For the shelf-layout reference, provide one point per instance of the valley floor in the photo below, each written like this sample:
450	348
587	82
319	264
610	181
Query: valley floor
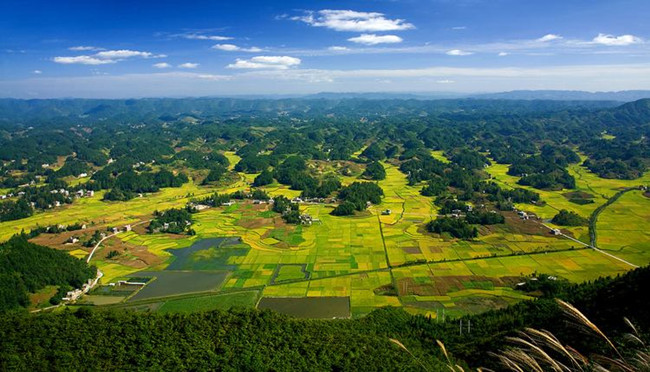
369	260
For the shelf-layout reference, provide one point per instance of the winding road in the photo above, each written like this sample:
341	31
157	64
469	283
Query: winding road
90	256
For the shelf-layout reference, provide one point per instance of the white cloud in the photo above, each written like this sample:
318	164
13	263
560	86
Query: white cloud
549	37
206	37
503	54
445	81
611	40
349	20
372	39
458	52
83	60
105	57
338	48
211	77
226	47
266	62
122	53
37	72
235	48
84	48
188	65
162	65
459	28
580	75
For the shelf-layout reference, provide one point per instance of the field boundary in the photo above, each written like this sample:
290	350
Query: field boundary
593	218
594	248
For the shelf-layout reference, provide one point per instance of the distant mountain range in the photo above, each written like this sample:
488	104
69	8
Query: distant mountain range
371	105
568	95
552	95
386	95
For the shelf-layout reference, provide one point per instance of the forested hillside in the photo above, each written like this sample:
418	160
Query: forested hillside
26	268
262	340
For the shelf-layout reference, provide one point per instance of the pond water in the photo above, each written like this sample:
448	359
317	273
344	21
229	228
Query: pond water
170	283
208	254
201	267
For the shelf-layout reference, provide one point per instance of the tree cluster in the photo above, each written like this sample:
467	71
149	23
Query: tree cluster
356	196
128	184
456	227
172	221
569	218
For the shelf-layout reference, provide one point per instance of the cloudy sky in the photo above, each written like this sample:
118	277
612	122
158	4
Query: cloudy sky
166	48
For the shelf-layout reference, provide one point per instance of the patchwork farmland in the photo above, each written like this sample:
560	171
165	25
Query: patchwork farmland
243	254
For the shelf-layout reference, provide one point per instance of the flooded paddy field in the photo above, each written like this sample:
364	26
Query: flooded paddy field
170	283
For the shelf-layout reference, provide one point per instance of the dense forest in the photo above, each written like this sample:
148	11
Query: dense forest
26	268
262	340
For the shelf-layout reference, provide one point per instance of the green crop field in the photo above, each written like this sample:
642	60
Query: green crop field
207	303
630	239
373	259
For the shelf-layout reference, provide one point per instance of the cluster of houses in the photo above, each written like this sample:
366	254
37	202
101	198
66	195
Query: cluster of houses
115	230
61	228
308	220
525	216
64	192
199	207
458	213
88	193
11	194
299	200
78	194
85	288
534	279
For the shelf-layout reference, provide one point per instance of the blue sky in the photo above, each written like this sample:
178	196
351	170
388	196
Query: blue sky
198	48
